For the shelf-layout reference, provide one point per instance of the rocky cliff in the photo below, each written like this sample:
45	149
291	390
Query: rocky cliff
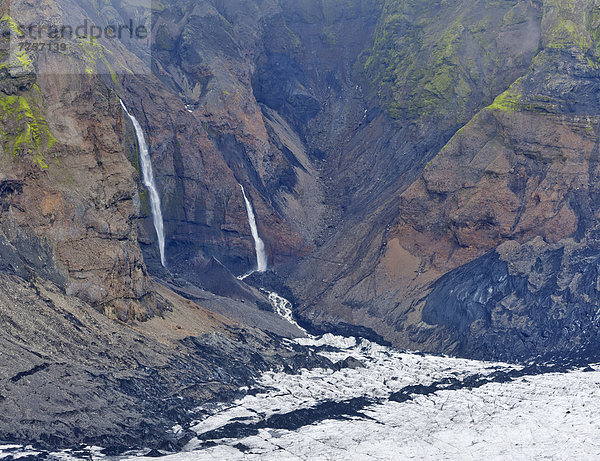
423	173
383	145
453	264
68	190
88	336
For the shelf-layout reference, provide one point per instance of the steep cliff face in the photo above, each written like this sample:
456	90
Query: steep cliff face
76	182
525	168
522	168
204	56
68	190
390	149
377	155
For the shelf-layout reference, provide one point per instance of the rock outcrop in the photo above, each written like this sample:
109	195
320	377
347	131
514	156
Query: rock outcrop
69	375
422	173
520	170
68	201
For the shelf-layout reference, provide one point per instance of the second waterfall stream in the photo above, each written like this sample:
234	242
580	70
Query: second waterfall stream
150	183
261	255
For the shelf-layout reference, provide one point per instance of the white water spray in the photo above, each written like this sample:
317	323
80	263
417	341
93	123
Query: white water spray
261	256
148	180
283	308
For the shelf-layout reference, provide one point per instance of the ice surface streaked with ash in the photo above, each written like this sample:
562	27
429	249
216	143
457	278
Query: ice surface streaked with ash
386	404
400	406
150	183
378	403
261	255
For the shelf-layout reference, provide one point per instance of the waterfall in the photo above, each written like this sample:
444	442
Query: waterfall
148	180
261	256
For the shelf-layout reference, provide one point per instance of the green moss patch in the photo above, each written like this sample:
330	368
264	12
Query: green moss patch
24	131
440	59
507	101
12	25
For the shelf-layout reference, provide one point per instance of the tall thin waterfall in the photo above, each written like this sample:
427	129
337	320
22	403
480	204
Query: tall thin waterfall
261	256
148	180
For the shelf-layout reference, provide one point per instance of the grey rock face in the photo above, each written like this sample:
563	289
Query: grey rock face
521	301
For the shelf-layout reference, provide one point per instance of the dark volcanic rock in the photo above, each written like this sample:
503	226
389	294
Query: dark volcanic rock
69	375
522	165
350	362
521	301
